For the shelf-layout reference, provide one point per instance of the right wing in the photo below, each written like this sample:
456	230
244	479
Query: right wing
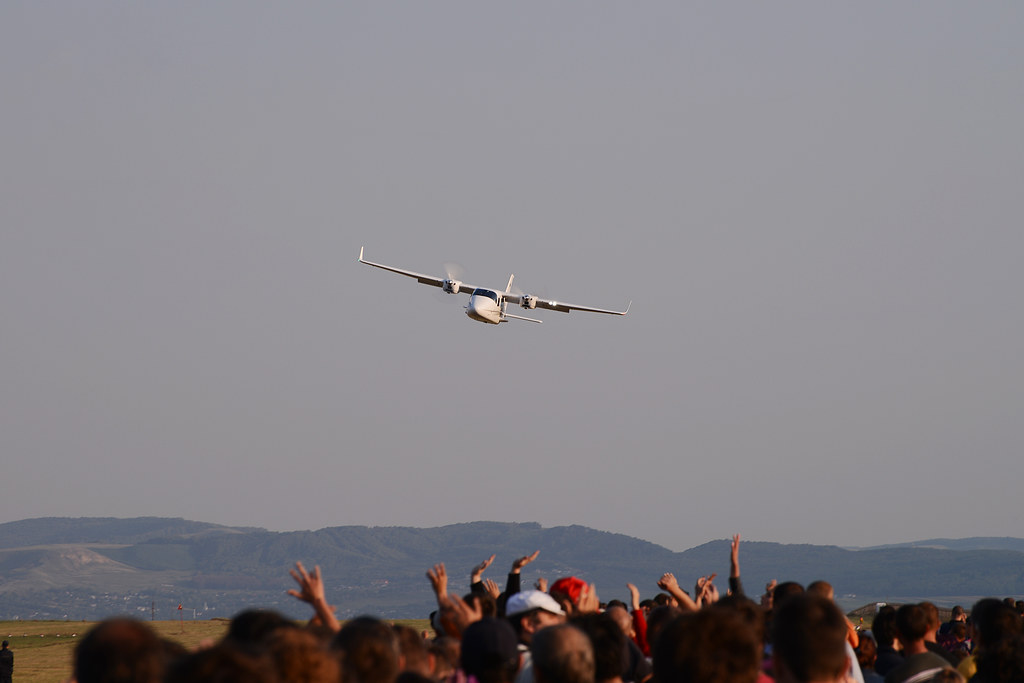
530	302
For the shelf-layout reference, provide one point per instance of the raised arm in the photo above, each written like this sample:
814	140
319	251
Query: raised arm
639	621
769	590
478	570
311	590
457	614
514	583
475	581
518	565
634	597
668	583
705	591
438	576
587	603
735	585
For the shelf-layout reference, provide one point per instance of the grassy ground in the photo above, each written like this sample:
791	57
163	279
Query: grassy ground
43	649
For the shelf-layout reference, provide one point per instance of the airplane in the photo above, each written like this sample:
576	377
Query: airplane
490	305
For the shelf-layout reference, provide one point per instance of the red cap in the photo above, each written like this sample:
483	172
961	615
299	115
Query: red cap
569	586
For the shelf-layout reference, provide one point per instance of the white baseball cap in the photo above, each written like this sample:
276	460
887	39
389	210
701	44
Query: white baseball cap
531	600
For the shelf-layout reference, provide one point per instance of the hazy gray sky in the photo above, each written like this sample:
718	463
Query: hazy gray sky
815	208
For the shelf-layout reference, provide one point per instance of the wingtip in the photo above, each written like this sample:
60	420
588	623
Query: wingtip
360	254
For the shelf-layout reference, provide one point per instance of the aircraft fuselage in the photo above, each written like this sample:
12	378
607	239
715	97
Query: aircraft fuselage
484	306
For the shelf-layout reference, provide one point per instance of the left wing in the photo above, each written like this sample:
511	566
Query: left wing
447	284
529	301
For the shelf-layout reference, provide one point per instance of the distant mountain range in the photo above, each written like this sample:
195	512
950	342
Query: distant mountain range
89	568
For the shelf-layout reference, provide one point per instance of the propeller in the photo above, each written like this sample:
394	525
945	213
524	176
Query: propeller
453	271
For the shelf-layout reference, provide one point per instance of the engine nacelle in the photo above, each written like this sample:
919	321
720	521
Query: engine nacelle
451	286
528	301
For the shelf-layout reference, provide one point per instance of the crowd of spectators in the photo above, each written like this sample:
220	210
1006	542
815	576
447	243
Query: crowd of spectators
562	633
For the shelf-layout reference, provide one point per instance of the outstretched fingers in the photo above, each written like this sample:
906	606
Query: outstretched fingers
525	560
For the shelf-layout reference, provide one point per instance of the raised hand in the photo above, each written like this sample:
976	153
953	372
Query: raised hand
769	589
541	584
457	614
311	590
698	589
588	601
523	561
478	570
734	556
668	582
438	576
634	597
311	585
492	588
707	593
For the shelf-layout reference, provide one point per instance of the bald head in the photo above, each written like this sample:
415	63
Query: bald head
562	654
622	618
822	589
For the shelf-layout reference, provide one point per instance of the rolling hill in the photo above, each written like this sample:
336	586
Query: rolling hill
62	568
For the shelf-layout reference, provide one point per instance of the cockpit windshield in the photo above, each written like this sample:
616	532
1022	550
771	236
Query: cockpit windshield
485	292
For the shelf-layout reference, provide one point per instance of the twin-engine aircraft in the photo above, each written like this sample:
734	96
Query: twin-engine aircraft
489	305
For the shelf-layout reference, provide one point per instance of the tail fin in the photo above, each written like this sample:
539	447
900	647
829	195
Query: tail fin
508	289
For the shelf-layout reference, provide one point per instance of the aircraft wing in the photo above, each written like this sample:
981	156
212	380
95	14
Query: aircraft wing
420	277
528	301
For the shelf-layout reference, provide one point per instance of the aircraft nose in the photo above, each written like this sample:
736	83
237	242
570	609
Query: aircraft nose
478	309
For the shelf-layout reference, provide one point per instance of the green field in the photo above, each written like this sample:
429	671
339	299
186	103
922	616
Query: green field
43	649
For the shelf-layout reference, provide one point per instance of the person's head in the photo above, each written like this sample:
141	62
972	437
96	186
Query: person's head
947	676
223	662
622	617
562	654
663	599
958	630
867	653
250	627
1001	661
713	645
911	625
530	611
489	651
657	620
883	628
934	620
413	649
444	652
299	656
786	589
958	614
568	589
993	620
822	589
4	645
611	653
120	650
750	611
369	649
809	640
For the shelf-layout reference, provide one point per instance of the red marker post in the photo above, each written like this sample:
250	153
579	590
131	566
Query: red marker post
181	617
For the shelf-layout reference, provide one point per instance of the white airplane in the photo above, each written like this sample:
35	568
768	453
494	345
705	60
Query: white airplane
489	305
